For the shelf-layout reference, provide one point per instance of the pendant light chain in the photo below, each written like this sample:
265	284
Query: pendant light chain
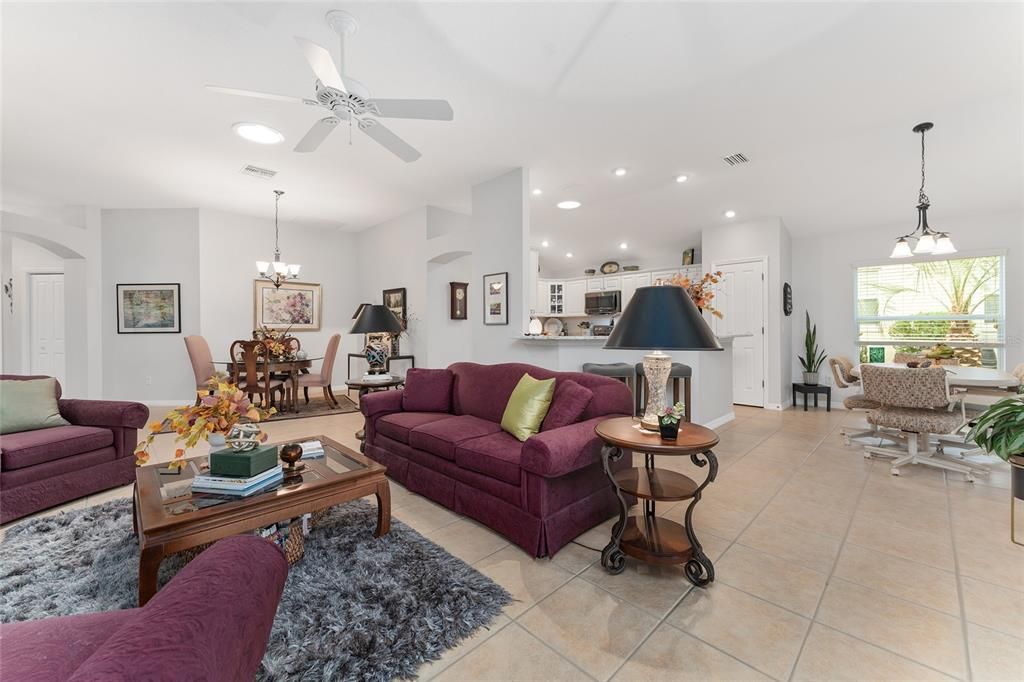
922	198
277	233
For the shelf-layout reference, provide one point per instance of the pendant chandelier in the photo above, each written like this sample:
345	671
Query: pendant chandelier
929	241
277	271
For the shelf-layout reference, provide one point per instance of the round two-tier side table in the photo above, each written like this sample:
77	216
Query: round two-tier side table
649	537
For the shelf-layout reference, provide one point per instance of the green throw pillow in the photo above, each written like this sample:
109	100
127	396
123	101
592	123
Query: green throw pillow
29	405
527	406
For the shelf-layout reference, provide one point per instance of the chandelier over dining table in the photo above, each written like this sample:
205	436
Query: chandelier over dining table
277	271
928	241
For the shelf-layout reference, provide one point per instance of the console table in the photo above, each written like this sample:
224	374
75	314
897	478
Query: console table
649	537
387	366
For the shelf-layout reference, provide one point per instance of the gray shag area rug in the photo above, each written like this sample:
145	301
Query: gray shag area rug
354	608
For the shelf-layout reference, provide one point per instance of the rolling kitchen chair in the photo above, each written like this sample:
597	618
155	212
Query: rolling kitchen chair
844	378
916	402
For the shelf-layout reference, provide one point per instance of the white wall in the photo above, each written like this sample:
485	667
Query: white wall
823	276
142	246
753	239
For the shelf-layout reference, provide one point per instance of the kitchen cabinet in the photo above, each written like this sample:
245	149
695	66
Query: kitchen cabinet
595	284
613	283
556	297
575	296
630	283
542	306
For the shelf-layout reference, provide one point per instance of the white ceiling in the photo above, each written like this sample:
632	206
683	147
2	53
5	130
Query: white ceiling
104	104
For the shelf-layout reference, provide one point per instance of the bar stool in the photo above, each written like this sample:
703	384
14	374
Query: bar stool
678	371
616	370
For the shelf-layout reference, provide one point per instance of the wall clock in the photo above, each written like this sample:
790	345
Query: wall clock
610	268
457	304
787	299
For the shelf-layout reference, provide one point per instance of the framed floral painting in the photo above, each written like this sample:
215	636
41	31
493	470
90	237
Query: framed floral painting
294	305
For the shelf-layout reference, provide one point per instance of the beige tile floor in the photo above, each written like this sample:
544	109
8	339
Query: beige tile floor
828	568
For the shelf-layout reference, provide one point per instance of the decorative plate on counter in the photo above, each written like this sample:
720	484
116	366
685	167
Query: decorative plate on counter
553	326
610	268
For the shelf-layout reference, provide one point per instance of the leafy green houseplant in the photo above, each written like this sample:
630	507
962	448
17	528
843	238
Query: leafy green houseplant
813	356
1000	429
668	421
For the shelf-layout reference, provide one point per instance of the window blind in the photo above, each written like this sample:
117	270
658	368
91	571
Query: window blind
958	301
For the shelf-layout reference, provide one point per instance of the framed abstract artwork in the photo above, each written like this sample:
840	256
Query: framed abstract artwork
149	308
496	298
294	305
394	299
458	295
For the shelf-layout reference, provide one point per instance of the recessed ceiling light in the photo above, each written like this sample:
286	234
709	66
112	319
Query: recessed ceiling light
623	245
730	214
537	192
569	255
545	243
258	133
619	172
569	205
681	179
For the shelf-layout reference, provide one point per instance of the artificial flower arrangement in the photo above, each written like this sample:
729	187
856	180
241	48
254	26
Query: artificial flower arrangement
275	341
702	291
215	413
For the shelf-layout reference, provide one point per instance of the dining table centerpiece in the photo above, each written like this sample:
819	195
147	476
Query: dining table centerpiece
211	419
276	342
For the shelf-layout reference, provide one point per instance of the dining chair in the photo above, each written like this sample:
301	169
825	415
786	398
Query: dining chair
202	364
252	356
918	403
904	358
323	378
842	374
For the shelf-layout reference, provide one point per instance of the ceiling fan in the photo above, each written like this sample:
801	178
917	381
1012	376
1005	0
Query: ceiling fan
349	100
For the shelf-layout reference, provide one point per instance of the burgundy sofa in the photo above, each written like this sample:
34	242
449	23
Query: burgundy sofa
210	622
539	494
43	468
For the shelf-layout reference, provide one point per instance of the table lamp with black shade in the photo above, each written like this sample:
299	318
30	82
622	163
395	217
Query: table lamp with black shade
660	318
376	319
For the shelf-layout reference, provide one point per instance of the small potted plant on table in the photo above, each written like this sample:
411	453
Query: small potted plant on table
668	423
813	356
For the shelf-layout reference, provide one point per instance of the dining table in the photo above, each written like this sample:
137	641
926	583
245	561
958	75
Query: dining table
958	375
291	368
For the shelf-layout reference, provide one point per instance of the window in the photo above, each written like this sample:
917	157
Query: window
910	307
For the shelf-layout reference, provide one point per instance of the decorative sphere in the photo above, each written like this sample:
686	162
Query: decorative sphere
290	454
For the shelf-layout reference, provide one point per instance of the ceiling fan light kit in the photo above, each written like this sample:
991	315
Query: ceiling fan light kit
346	99
928	241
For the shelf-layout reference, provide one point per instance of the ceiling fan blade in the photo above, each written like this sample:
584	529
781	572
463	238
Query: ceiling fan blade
322	64
387	139
254	93
317	134
426	109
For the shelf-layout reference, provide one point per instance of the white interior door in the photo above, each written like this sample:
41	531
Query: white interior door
46	325
740	297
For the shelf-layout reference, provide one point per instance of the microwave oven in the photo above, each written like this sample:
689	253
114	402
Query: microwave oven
603	303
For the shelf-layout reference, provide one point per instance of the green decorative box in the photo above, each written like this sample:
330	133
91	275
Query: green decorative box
243	464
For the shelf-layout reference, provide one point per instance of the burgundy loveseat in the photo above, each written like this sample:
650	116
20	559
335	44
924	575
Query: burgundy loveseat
210	622
539	494
47	467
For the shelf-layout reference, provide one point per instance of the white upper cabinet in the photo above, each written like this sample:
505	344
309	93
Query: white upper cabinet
630	282
595	284
575	296
543	294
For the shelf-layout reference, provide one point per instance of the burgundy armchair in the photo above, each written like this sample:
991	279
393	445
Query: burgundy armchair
95	452
211	622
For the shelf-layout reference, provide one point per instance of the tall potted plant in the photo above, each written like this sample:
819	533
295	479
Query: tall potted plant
813	356
1000	431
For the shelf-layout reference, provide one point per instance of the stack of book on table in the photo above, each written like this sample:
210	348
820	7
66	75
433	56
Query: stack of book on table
312	449
239	486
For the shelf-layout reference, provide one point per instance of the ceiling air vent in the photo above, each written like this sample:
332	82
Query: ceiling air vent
736	159
257	172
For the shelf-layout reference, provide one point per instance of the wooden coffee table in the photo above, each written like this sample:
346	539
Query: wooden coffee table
165	527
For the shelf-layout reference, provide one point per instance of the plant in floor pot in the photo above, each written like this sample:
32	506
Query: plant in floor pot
1000	431
668	422
813	356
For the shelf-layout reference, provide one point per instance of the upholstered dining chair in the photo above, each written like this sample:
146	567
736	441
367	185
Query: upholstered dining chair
918	403
202	364
323	378
904	358
842	374
252	371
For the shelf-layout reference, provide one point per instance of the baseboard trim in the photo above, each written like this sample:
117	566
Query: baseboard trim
719	421
168	403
